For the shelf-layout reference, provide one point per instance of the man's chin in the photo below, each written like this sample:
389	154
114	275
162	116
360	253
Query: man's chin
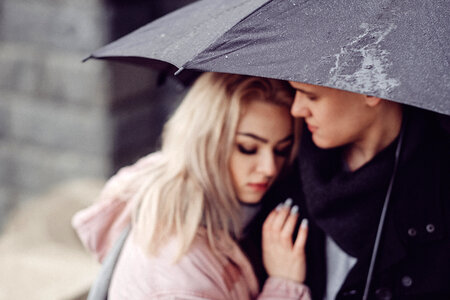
322	144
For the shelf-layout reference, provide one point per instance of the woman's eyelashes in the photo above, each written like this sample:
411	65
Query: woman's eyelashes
283	152
245	150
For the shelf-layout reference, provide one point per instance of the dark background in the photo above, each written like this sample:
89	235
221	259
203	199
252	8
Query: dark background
60	118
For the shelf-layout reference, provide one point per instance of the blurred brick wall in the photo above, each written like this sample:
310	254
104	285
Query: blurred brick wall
60	118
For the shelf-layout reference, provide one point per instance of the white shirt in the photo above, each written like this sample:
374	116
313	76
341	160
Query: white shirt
339	264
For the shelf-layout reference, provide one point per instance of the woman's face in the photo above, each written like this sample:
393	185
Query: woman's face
263	143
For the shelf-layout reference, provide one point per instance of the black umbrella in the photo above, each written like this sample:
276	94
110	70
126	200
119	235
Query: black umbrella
397	50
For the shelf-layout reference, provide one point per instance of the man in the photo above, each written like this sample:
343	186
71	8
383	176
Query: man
364	124
346	164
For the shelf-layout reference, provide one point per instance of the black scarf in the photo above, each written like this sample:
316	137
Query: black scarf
347	205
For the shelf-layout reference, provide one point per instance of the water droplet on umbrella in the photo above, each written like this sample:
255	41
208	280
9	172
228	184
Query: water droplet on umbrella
368	67
226	56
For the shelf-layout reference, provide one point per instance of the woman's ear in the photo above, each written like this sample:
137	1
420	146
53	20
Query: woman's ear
372	101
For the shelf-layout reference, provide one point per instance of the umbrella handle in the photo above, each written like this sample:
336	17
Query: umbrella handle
384	211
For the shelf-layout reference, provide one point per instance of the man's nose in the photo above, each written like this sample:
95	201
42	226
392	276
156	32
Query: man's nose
299	108
267	165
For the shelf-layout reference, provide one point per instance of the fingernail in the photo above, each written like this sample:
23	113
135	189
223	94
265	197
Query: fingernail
304	223
288	202
279	207
294	210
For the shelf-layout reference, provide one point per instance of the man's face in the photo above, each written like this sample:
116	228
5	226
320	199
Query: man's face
334	117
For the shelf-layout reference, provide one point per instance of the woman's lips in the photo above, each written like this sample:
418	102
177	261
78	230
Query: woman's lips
259	186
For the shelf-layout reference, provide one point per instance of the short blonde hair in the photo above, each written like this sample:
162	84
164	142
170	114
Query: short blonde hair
191	186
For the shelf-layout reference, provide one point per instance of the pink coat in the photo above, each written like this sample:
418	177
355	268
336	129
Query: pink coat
199	274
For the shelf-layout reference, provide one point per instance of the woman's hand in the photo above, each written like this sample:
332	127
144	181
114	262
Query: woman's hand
282	257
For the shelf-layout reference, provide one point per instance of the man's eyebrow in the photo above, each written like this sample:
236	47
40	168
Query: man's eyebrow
304	92
288	138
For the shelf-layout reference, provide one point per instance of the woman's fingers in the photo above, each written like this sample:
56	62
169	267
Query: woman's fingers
288	228
280	224
300	242
268	223
281	256
281	213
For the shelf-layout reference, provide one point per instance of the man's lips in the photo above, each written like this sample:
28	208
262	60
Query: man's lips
311	127
260	186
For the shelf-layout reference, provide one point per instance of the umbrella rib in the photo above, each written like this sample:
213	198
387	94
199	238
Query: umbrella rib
186	64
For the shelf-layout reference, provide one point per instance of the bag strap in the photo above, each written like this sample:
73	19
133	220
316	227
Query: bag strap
99	289
384	211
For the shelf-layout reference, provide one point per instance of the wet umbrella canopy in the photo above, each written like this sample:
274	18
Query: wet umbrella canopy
397	50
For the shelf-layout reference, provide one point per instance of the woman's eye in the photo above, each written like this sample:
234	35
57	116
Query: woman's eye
248	151
282	152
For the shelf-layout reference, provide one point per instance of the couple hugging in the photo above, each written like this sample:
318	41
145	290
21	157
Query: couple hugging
366	183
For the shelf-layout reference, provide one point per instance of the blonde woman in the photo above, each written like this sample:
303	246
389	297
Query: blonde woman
222	149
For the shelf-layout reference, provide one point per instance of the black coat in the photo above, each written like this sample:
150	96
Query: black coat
414	255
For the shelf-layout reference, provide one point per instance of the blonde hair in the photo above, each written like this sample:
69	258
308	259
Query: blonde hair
191	185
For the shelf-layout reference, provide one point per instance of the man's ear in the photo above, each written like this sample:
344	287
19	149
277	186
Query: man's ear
372	101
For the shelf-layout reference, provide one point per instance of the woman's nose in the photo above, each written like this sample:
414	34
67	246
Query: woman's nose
267	165
299	108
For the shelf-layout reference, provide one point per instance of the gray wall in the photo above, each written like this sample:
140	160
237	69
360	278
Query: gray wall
62	119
